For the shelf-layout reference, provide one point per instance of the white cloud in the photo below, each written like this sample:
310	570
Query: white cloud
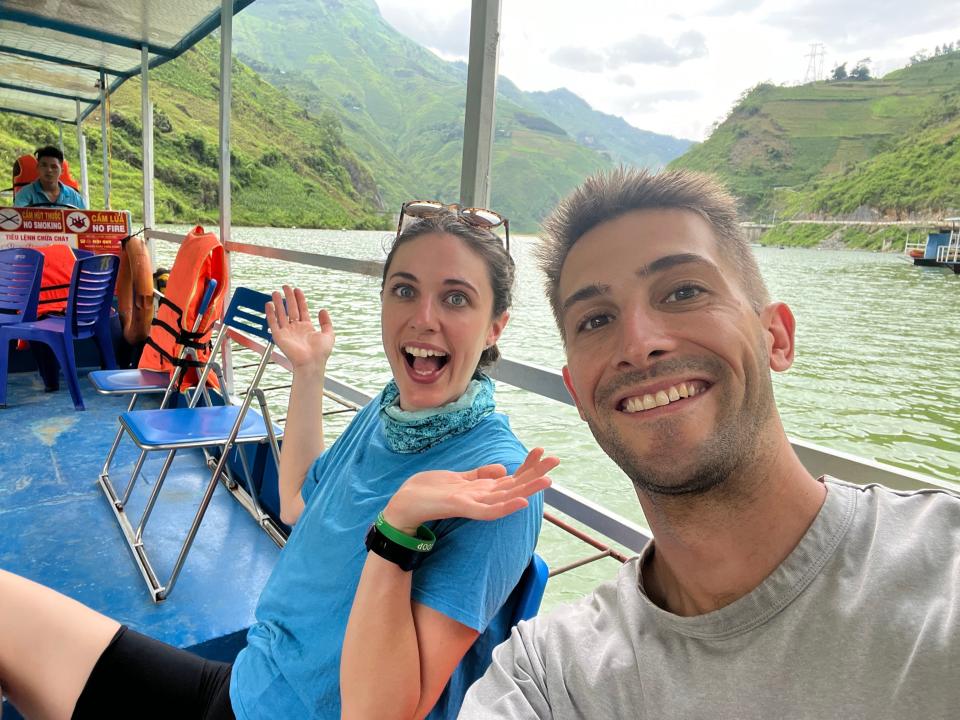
859	23
660	97
580	59
446	33
732	7
650	50
648	61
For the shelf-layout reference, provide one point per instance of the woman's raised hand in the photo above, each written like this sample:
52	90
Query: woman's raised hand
294	333
486	493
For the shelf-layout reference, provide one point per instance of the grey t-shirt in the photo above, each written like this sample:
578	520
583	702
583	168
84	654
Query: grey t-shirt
862	620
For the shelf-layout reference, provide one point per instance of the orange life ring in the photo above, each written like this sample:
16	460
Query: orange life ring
135	291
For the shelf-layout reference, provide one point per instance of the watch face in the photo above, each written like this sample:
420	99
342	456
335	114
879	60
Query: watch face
383	546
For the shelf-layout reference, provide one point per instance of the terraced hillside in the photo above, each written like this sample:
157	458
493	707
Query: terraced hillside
776	140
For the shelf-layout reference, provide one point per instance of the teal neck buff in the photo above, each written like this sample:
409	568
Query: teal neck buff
410	431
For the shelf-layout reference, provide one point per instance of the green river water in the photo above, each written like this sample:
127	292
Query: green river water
877	371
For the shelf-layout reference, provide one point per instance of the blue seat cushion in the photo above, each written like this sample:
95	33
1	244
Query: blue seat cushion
192	427
108	382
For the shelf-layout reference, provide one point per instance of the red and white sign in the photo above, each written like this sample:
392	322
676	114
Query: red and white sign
97	230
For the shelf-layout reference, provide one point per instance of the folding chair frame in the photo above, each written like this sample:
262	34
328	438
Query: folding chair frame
247	496
170	390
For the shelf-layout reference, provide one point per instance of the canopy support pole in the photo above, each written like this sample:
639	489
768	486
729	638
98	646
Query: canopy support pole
226	93
146	122
104	120
60	130
82	152
478	122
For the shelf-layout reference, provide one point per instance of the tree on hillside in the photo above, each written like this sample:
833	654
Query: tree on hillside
839	72
861	71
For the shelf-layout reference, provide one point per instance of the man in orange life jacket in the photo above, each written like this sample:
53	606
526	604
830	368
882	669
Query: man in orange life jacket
47	188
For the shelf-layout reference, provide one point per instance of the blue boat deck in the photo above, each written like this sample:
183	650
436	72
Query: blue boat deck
57	528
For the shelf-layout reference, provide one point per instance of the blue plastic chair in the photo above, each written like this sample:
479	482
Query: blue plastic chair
532	585
87	316
20	273
220	428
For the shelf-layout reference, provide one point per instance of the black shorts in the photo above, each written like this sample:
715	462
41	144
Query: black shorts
138	676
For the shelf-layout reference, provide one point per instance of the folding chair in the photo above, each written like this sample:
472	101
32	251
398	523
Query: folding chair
136	382
87	316
219	427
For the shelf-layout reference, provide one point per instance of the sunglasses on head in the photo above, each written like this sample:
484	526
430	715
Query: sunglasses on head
478	217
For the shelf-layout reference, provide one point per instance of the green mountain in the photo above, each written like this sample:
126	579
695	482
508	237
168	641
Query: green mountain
402	107
884	146
609	135
289	166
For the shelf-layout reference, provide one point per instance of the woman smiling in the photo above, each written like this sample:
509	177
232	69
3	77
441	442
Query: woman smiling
429	448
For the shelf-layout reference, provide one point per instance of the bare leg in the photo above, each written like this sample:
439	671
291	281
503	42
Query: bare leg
48	646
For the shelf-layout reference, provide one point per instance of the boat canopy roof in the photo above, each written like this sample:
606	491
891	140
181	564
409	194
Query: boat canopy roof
52	52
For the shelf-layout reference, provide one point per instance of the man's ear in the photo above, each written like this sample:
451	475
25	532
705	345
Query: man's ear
573	393
779	326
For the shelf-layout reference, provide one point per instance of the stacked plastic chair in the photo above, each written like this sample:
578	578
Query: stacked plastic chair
87	316
20	273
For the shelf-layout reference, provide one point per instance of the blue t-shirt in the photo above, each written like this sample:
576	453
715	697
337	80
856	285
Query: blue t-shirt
33	194
291	665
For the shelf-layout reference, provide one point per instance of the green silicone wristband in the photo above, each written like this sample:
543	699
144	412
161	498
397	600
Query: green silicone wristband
423	542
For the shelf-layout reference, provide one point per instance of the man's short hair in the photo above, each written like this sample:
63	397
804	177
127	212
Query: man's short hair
607	196
49	151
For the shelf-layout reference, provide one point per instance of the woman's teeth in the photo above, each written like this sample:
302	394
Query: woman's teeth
424	352
663	397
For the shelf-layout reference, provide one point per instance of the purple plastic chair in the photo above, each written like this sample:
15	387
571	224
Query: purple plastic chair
87	316
20	273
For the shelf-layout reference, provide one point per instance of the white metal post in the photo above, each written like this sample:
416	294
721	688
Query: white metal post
478	124
146	123
104	120
226	91
60	131
82	153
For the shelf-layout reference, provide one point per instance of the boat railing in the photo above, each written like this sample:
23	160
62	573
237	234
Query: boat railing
549	384
911	247
950	253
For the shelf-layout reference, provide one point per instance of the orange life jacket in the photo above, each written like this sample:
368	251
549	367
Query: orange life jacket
58	262
67	179
200	257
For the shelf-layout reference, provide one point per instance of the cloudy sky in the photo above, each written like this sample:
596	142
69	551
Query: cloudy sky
676	66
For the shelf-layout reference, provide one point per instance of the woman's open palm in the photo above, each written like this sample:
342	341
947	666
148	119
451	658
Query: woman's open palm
485	493
294	332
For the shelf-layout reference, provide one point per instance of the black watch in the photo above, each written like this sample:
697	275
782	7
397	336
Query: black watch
389	550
